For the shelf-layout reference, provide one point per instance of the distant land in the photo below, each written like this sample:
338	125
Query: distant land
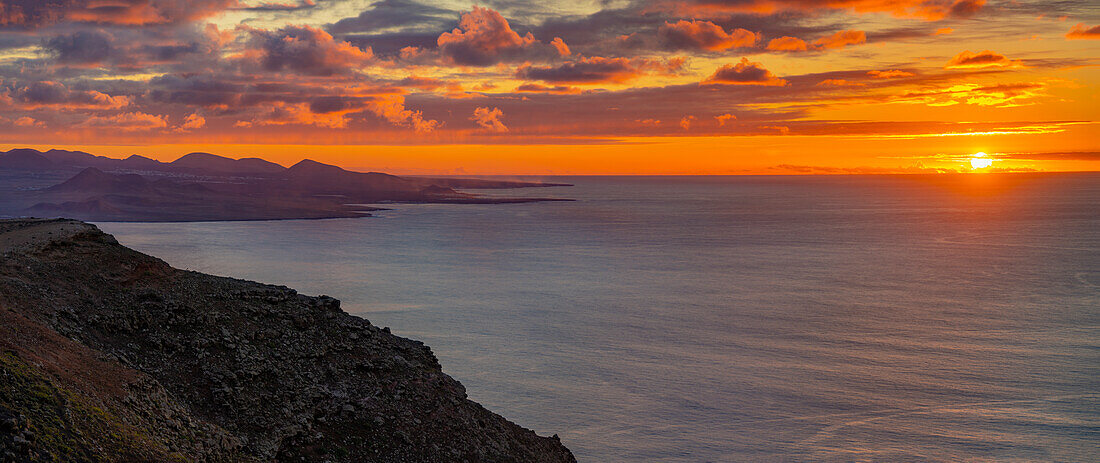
208	187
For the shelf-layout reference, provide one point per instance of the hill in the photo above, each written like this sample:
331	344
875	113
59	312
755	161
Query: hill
110	355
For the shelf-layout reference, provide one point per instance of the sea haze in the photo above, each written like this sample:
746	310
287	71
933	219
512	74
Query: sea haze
690	319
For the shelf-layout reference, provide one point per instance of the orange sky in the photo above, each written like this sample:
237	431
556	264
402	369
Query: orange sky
677	87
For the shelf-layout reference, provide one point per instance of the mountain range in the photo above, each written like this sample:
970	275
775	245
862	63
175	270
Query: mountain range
207	187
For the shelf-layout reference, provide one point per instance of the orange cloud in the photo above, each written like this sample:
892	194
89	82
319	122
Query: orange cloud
27	121
985	59
282	113
943	31
489	119
744	73
841	39
1081	31
704	35
559	44
723	118
391	107
193	121
128	122
889	74
930	10
839	83
838	40
538	88
1000	96
788	44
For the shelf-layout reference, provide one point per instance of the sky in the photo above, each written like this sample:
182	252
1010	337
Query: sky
562	87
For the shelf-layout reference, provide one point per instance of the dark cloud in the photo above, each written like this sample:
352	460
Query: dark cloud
392	44
275	6
586	70
744	73
196	90
84	47
58	95
307	50
704	35
539	88
395	14
34	13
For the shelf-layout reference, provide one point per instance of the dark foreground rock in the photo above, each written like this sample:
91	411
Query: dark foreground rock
107	354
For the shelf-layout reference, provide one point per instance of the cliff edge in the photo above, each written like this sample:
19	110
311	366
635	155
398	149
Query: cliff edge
107	354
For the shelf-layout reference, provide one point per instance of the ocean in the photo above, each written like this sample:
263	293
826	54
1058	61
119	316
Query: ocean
716	319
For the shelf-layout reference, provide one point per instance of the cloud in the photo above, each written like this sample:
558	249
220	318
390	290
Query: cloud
1081	31
273	6
985	59
57	95
483	38
1000	95
840	39
930	10
560	45
818	170
943	31
27	121
423	83
894	73
685	122
788	44
489	119
538	88
82	47
744	73
34	13
129	122
1055	155
724	118
839	83
392	108
596	69
193	121
307	50
284	113
198	90
391	14
703	35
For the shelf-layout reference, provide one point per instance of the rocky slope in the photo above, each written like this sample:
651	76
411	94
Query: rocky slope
107	354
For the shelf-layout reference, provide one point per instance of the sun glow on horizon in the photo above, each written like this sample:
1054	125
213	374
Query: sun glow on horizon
980	160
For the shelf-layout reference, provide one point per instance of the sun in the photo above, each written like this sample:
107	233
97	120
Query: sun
980	161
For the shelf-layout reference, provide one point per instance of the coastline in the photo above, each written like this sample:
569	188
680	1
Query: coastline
253	372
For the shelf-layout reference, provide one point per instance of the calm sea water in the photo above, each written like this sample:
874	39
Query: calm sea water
731	318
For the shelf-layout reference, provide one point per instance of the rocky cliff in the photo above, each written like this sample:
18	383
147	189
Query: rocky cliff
107	354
